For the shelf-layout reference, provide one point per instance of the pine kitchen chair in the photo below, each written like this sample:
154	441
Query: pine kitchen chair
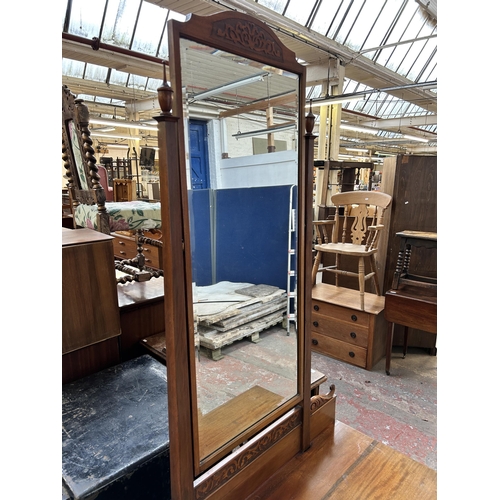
88	197
354	231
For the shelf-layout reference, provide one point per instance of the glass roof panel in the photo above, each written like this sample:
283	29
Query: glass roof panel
163	50
276	5
403	29
137	82
351	18
85	17
153	84
383	16
74	68
365	24
118	77
336	23
150	26
299	11
140	25
119	22
96	73
324	15
417	56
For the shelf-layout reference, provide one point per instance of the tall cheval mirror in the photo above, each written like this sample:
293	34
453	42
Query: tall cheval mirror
236	175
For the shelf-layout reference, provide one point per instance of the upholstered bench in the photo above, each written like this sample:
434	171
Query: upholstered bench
115	437
123	216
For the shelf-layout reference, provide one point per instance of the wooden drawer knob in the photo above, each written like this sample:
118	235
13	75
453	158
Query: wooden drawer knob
315	324
353	335
315	342
354	317
316	308
351	354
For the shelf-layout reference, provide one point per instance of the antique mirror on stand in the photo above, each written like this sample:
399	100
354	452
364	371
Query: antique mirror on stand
236	180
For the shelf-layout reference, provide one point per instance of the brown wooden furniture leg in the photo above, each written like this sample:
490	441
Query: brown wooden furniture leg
317	262
373	265
405	342
388	348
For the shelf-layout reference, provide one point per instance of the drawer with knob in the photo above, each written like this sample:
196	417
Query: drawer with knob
126	248
347	332
359	318
338	349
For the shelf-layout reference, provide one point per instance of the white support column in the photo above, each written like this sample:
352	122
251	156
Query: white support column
336	112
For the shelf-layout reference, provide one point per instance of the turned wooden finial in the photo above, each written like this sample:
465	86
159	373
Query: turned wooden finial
310	119
165	93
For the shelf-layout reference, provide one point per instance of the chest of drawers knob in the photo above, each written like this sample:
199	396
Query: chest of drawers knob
316	308
315	324
353	335
315	342
351	354
354	317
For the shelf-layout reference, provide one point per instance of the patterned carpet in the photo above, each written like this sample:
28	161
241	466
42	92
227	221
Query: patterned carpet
399	410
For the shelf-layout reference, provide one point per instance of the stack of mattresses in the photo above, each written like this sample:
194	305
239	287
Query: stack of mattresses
228	311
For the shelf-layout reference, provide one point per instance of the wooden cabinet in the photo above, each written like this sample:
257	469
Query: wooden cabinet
141	315
124	190
412	182
90	317
125	247
342	331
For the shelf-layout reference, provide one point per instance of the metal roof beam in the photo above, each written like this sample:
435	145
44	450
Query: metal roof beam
410	121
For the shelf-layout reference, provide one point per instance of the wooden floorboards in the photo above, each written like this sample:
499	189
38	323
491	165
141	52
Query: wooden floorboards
349	466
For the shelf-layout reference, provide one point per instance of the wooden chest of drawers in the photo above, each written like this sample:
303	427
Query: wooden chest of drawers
125	247
340	330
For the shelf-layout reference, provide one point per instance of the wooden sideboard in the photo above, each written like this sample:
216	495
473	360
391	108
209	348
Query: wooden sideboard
342	331
90	317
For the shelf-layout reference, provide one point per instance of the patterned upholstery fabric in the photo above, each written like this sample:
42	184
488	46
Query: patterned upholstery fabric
128	215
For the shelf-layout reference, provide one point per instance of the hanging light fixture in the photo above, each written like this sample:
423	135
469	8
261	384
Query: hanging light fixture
117	136
270	130
229	86
123	124
355	128
329	100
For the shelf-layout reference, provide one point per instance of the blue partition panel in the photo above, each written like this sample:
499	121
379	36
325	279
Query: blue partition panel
201	236
251	231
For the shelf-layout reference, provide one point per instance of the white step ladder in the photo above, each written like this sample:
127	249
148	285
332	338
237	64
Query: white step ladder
291	282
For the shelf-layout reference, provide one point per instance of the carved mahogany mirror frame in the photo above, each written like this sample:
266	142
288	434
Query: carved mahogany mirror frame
288	429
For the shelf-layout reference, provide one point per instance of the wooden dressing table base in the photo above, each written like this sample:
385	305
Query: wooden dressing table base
342	463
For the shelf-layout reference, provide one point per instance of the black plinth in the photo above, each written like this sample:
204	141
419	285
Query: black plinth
115	442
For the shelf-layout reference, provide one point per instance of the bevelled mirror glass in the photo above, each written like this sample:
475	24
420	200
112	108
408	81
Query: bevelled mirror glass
242	199
242	144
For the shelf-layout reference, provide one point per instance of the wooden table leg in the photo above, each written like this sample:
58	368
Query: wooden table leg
388	347
405	342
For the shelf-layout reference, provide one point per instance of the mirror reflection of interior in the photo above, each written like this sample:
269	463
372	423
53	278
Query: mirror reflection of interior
240	120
